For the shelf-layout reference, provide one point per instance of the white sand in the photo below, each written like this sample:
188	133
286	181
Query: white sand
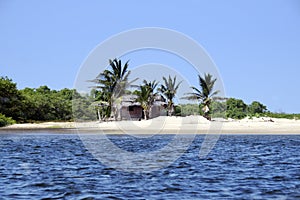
191	124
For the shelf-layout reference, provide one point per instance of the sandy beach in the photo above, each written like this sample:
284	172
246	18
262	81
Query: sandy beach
173	125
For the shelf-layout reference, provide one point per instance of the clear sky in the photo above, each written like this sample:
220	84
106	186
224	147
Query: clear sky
255	44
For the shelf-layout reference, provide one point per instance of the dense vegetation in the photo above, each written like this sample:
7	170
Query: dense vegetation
230	108
44	104
10	99
283	115
4	121
40	104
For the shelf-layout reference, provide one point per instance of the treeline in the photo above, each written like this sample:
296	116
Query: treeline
232	108
229	108
44	104
41	104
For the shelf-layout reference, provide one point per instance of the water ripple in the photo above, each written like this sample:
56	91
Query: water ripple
57	166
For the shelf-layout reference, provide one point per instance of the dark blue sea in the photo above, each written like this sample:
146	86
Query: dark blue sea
48	165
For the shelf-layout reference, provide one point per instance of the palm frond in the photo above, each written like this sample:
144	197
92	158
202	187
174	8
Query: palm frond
214	93
192	96
205	92
197	90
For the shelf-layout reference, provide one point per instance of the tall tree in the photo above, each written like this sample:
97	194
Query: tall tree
143	96
112	84
169	90
146	96
10	99
204	94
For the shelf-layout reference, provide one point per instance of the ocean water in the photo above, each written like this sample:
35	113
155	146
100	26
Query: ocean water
48	165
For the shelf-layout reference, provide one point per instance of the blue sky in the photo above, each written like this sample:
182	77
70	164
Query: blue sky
255	44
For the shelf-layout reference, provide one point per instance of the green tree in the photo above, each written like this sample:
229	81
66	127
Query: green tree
83	109
169	90
146	96
62	101
152	85
44	104
236	108
45	90
38	104
178	110
10	99
4	121
29	105
256	108
218	109
189	109
112	84
143	98
204	94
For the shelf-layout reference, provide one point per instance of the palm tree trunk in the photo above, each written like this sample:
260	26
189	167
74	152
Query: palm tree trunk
99	116
206	111
150	112
170	110
145	114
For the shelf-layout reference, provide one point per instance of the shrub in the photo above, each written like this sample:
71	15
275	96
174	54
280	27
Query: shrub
188	109
235	108
256	108
282	115
177	111
218	109
4	121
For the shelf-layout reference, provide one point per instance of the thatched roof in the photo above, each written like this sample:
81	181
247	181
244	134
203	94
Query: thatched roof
127	104
129	98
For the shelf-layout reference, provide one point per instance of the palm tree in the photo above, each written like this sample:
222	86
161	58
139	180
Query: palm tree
152	85
104	90
146	97
169	90
143	98
113	83
119	75
205	94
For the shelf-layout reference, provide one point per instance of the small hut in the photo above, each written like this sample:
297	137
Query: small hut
132	110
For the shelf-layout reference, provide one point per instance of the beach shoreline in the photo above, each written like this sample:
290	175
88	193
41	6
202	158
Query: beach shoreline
167	125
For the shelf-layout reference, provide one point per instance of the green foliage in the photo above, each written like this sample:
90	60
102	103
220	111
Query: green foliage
146	96
169	90
282	115
236	108
111	84
204	94
40	104
44	104
10	98
4	121
218	109
256	108
189	109
178	111
83	109
143	97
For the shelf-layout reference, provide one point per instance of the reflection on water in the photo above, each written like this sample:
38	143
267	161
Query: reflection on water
57	166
